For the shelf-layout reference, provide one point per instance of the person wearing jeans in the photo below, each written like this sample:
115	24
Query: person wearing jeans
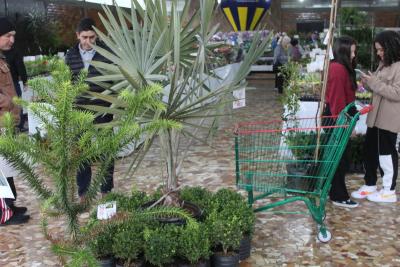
383	123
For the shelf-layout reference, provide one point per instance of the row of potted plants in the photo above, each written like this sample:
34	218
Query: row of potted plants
156	81
137	236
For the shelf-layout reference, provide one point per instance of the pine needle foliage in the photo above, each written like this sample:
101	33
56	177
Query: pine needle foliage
72	139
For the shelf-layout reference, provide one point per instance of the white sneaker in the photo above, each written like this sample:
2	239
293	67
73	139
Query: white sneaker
364	191
385	196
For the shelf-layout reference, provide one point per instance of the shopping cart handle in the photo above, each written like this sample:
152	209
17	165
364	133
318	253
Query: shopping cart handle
366	109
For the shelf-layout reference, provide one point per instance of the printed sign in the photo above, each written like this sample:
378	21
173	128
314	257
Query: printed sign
107	210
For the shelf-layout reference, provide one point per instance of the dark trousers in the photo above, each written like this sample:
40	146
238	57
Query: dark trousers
84	176
379	142
338	190
279	78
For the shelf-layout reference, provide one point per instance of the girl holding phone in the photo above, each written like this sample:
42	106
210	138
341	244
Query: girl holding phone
383	123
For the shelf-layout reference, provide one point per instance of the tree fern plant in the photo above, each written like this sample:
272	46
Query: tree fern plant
171	49
50	163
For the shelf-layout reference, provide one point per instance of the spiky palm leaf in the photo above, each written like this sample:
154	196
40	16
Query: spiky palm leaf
174	38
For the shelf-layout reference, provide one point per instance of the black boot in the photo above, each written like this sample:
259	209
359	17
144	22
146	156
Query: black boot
15	209
17	219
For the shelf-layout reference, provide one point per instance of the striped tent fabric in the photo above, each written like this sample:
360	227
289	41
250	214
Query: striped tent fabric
244	15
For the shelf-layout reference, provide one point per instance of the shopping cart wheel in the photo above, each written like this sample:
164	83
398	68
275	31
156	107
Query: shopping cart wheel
324	236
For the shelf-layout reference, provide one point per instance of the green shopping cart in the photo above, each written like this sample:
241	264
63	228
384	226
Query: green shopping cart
292	160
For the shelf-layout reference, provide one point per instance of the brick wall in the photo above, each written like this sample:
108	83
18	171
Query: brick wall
381	18
69	16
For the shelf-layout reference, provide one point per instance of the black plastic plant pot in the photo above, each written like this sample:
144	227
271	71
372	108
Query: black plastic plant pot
245	247
295	181
221	260
107	262
309	98
137	263
190	207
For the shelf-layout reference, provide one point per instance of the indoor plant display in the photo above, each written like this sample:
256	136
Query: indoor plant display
67	144
171	49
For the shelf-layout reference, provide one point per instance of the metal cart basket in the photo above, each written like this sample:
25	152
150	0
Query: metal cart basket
278	160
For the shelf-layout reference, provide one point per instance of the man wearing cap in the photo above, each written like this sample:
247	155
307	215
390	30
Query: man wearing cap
9	213
77	58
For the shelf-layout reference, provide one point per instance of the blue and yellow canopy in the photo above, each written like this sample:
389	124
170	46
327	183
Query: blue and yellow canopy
244	15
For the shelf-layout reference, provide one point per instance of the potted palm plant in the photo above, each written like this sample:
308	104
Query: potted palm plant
171	49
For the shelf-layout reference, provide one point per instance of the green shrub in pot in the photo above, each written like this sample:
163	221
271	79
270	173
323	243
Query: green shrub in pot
161	244
128	240
197	195
224	230
194	244
100	241
223	197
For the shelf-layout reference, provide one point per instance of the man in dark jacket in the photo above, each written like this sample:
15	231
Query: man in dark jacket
9	213
18	72
77	58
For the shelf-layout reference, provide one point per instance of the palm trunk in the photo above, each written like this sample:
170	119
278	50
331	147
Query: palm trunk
171	162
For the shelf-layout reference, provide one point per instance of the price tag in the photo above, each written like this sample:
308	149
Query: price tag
240	98
107	210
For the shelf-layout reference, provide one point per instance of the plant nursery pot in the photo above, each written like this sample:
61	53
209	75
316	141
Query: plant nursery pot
245	247
221	260
190	207
107	262
202	263
299	183
137	263
310	98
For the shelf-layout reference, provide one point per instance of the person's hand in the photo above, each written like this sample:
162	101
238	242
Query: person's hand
365	78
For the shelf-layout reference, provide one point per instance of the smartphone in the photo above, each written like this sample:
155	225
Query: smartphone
360	72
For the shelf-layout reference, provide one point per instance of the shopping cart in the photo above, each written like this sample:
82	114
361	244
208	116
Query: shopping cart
292	160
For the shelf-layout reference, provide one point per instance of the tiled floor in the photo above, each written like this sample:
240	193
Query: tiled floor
366	236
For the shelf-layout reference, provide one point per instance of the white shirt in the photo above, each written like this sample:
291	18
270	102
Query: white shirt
87	56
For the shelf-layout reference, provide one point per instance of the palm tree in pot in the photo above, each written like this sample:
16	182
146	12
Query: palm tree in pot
170	49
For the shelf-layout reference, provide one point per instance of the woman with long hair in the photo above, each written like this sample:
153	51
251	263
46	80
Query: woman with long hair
341	90
383	123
